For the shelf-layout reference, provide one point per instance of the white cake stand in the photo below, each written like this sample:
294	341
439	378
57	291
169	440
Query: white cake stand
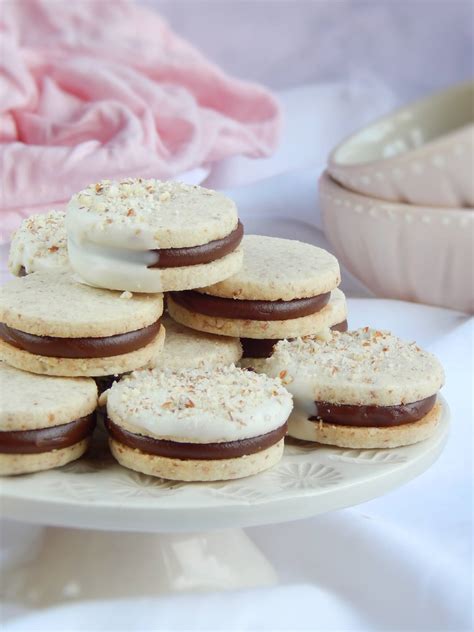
118	522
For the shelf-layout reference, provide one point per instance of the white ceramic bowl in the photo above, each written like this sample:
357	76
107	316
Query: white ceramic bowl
413	253
420	154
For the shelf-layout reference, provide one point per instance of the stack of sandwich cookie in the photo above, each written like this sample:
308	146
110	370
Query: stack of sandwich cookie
151	236
284	289
45	422
360	389
39	244
197	424
187	348
52	324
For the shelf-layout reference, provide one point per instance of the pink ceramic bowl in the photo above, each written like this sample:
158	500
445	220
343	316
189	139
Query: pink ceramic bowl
420	154
414	253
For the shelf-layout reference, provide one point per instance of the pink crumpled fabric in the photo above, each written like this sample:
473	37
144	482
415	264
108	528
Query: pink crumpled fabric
92	89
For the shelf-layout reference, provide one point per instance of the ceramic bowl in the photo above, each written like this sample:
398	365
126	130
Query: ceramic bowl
421	154
414	253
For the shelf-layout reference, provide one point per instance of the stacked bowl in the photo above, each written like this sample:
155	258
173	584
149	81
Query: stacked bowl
397	202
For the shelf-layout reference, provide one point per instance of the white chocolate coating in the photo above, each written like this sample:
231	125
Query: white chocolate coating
199	405
127	270
362	367
40	243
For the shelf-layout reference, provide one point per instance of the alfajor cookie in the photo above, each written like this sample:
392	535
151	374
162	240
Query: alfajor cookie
360	389
284	289
186	348
40	243
197	424
45	422
151	236
50	323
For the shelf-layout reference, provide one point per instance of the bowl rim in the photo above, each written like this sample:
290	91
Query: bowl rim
418	104
326	179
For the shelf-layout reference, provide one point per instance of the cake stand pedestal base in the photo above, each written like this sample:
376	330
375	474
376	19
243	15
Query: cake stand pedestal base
75	564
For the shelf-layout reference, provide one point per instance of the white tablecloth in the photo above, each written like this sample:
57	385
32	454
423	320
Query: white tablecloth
401	562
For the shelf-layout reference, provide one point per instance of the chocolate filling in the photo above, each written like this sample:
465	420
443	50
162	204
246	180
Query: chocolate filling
105	382
201	451
263	347
177	257
250	310
372	416
46	439
80	347
258	347
342	326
